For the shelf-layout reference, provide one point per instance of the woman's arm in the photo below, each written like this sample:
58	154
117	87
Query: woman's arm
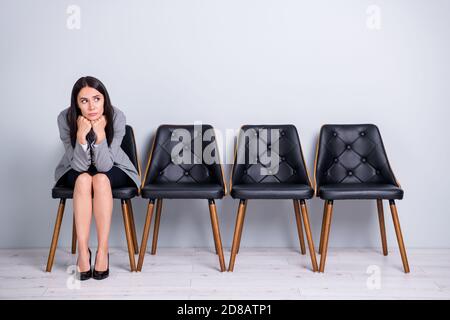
103	155
79	159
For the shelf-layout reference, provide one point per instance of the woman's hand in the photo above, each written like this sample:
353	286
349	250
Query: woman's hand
99	128
84	126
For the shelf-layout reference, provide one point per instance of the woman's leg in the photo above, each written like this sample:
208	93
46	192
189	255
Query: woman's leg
103	206
82	206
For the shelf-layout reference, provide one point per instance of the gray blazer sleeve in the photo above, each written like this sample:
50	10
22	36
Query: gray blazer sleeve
104	155
78	158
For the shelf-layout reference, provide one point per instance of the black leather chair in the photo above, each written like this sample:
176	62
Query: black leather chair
351	163
165	178
252	178
124	194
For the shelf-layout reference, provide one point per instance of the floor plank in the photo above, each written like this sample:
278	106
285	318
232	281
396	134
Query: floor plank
259	273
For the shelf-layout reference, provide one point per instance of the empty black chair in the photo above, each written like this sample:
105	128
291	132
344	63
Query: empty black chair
169	176
283	177
124	194
351	163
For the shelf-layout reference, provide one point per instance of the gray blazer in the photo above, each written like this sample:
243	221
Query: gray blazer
104	156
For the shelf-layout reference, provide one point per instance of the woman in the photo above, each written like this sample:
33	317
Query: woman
92	130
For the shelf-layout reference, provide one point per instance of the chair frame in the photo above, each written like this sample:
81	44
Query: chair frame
299	206
159	202
328	213
128	220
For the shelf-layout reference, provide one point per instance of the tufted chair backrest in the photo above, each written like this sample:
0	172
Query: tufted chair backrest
352	154
163	168
247	163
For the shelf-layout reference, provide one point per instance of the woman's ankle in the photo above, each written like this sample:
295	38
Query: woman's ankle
83	250
103	250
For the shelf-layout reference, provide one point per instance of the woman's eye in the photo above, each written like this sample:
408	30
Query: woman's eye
96	99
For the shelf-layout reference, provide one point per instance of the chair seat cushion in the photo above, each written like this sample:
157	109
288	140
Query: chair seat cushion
343	191
183	191
272	191
124	193
60	192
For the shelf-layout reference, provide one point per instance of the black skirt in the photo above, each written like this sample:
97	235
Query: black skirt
116	176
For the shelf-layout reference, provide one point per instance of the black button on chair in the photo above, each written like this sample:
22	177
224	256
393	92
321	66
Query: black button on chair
167	177
124	194
253	177
351	163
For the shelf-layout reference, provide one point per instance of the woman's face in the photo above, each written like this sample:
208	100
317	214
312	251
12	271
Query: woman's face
90	101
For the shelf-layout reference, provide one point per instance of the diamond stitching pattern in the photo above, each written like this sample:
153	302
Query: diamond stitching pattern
164	170
352	154
290	168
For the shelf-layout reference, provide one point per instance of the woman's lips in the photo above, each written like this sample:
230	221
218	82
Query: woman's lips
92	114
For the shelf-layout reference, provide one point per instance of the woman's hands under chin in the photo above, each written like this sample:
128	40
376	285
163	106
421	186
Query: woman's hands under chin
99	128
84	126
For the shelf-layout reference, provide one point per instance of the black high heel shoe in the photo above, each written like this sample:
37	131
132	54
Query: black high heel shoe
100	275
85	275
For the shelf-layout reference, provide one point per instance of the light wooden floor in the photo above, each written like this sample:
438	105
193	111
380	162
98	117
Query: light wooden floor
270	273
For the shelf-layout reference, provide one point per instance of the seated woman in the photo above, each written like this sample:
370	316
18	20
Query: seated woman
92	130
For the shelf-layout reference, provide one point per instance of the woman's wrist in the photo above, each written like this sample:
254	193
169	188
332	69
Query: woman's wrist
100	137
81	139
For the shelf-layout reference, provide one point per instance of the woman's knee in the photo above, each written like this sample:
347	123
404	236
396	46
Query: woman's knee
100	181
84	182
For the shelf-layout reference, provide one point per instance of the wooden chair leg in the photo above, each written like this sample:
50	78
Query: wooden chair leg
126	222
133	226
299	227
148	222
398	232
382	226
215	243
309	238
54	244
239	222
216	233
159	203
326	234
323	226
215	239
240	230
74	236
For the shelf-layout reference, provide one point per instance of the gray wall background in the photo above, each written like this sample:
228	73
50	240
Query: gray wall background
230	63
